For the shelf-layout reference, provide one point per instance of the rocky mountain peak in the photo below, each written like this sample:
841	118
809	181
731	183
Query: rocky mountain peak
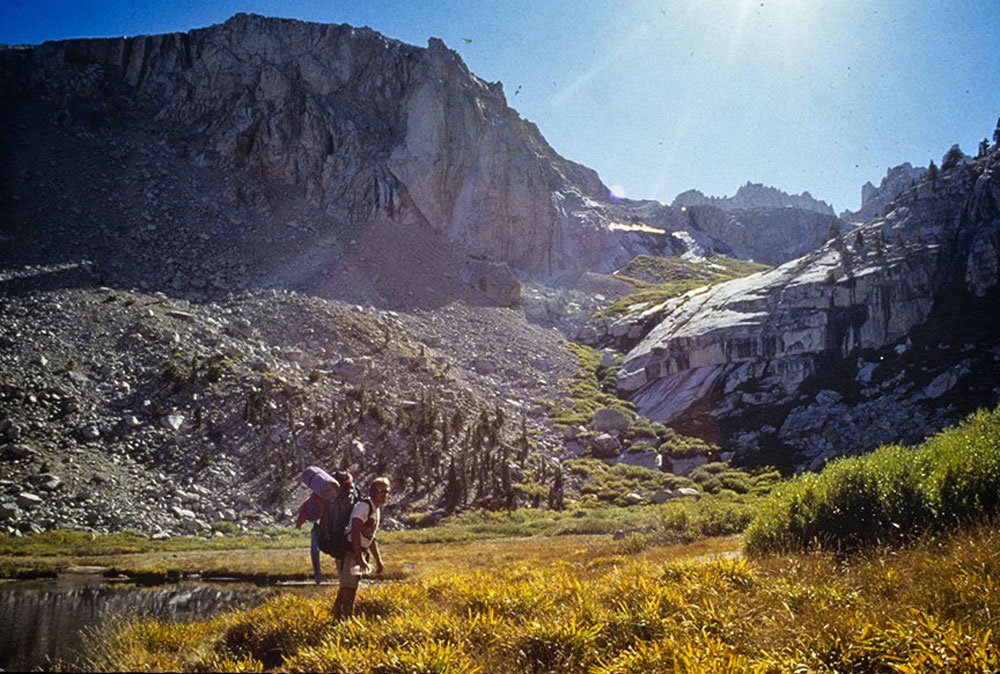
875	199
811	356
755	195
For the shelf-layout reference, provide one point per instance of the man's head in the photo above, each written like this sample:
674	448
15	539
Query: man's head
345	479
379	490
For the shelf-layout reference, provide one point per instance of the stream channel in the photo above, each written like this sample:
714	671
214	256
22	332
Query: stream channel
44	622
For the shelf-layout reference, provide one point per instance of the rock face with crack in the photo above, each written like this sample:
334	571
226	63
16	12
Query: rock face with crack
754	343
369	130
369	127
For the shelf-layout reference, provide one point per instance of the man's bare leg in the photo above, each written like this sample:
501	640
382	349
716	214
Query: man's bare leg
343	605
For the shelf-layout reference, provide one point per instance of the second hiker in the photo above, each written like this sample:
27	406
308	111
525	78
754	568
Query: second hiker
360	533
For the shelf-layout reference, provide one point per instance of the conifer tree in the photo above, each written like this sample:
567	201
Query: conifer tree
452	488
834	232
952	158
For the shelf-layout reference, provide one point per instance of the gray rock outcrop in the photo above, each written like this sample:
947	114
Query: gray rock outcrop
765	234
751	344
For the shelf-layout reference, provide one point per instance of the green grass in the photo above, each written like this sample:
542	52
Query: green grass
82	543
716	477
683	519
285	557
586	393
610	484
658	279
888	495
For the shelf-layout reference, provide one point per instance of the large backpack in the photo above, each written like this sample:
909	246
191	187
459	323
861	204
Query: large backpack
330	536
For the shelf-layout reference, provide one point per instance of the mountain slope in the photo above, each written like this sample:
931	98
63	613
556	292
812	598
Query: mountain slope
356	125
816	357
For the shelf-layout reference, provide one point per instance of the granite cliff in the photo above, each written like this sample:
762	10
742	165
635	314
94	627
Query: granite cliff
340	129
364	127
847	347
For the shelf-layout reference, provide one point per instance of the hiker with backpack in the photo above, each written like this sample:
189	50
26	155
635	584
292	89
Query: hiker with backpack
360	534
329	507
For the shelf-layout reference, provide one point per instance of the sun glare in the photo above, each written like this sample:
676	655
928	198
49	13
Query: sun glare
616	192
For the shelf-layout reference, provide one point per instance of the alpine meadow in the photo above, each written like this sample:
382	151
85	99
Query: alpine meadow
316	355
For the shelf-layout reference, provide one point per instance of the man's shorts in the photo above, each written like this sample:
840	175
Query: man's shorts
344	575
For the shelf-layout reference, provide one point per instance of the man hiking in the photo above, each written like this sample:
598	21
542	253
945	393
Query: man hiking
360	532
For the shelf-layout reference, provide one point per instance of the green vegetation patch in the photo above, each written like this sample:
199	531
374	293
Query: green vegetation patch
610	484
592	388
889	495
63	542
716	477
658	279
587	392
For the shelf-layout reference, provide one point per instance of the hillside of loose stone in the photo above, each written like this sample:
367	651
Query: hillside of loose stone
125	409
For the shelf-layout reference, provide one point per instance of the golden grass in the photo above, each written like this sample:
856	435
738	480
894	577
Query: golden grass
583	604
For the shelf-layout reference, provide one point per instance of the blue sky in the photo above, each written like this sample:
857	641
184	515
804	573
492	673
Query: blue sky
660	96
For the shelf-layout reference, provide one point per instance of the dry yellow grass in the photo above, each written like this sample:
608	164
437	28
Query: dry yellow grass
601	606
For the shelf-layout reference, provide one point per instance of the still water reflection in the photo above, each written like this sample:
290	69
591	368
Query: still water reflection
46	621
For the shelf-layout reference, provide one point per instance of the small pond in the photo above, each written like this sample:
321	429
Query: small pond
47	621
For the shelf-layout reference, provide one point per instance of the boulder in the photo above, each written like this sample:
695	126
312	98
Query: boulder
662	496
350	371
683	466
688	491
609	420
484	366
13	432
174	421
493	279
182	513
605	446
649	459
632	498
28	500
17	452
942	383
194	526
46	481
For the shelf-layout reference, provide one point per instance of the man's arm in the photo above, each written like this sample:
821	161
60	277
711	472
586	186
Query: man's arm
376	556
356	525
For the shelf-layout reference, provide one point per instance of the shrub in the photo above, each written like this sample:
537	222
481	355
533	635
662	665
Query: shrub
559	644
888	495
277	628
